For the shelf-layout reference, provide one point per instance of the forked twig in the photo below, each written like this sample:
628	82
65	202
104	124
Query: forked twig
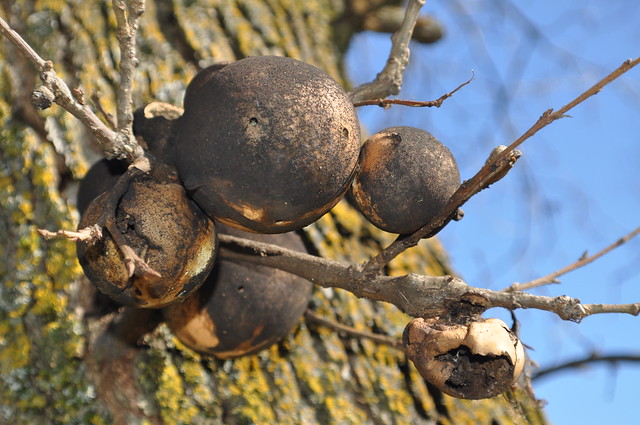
583	261
119	143
116	144
385	103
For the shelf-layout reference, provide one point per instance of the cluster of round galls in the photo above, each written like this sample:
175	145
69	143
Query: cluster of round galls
266	145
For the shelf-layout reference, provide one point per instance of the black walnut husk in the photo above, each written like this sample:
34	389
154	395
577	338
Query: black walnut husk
405	177
241	308
165	229
476	360
266	144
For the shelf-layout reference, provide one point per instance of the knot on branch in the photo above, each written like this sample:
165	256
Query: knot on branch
42	98
569	308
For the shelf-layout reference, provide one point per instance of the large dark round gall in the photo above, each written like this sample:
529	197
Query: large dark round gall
241	308
406	177
164	228
266	144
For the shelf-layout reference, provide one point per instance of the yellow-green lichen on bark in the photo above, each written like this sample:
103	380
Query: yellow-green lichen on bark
41	335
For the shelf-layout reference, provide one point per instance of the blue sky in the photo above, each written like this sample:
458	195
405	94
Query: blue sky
575	189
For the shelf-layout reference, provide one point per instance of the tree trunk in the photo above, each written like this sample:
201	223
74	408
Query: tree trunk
68	357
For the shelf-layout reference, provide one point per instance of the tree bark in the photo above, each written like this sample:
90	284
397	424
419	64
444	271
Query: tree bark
68	357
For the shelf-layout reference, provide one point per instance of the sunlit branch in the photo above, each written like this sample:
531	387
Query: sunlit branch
414	294
389	80
583	261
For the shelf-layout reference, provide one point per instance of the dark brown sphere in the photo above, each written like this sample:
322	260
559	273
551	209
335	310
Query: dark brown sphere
101	177
406	177
153	125
267	144
241	308
165	229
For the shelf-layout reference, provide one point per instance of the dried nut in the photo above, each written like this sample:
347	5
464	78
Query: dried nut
477	360
405	178
165	229
266	144
241	308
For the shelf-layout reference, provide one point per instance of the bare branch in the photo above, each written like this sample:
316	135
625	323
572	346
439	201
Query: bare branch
549	116
612	359
353	332
494	168
389	81
127	15
115	145
385	103
633	309
24	47
416	295
583	261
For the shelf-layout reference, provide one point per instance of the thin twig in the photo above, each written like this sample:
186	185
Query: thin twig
88	234
389	80
414	294
356	333
583	261
495	167
24	47
385	103
633	309
114	144
612	359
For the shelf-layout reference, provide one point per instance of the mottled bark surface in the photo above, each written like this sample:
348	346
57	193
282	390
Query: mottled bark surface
58	362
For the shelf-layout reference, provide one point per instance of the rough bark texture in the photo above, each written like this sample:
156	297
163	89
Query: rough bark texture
58	362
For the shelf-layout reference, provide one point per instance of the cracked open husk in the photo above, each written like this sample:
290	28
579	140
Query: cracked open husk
475	360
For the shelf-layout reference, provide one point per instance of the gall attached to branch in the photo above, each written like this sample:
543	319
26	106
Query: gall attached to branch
480	359
405	178
164	228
